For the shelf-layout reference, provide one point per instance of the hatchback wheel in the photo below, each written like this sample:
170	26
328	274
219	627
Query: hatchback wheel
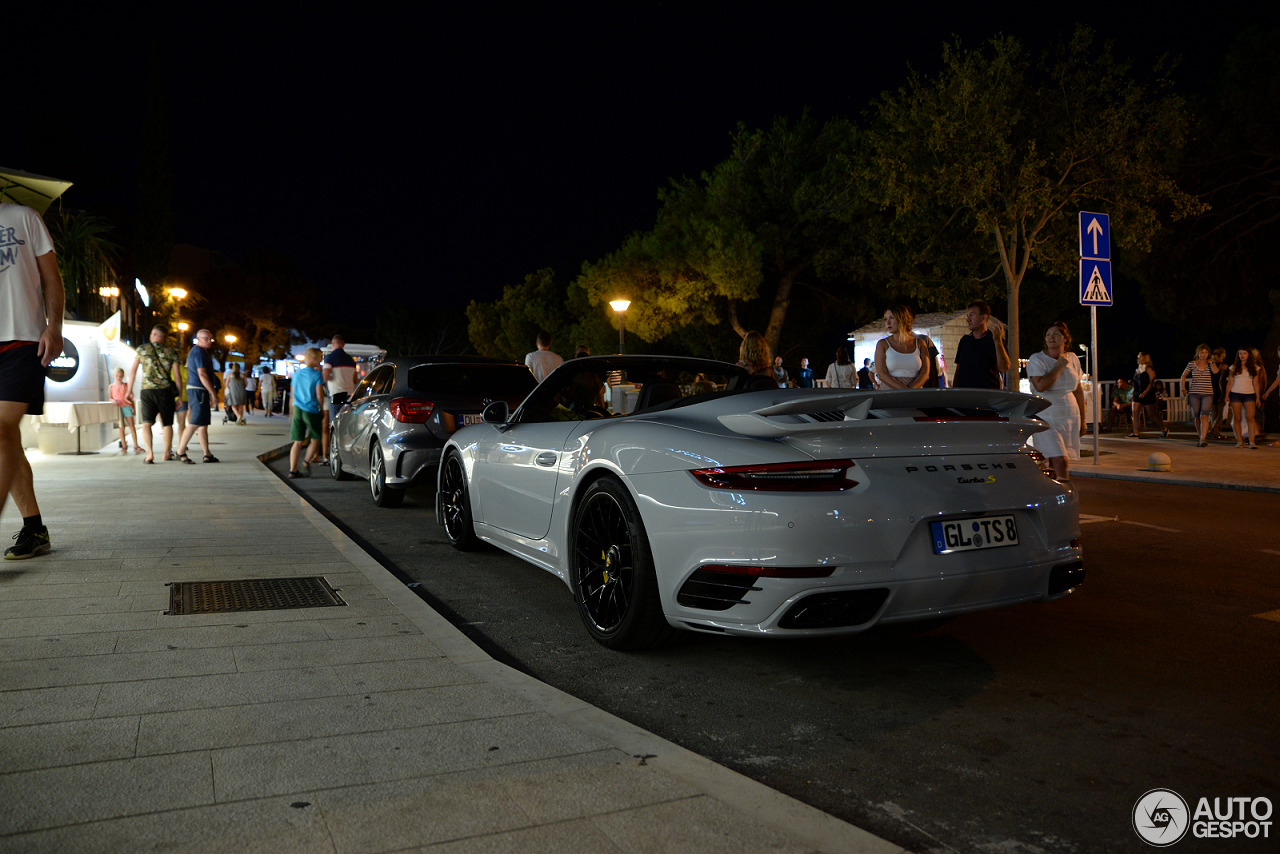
335	465
383	495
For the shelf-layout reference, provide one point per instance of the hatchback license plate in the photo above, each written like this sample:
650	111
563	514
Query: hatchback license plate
963	535
472	419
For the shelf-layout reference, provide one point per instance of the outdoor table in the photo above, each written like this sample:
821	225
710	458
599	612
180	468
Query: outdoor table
76	414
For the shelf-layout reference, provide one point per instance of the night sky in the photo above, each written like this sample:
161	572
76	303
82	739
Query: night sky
434	157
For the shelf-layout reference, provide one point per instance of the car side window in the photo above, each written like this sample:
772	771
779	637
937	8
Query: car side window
365	388
383	379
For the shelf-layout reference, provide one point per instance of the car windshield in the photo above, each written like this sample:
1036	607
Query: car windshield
498	381
585	389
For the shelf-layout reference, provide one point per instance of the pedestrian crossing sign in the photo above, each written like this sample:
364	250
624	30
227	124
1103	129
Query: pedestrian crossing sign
1095	281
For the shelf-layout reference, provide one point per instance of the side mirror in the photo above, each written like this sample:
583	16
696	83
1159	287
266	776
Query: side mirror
339	400
496	413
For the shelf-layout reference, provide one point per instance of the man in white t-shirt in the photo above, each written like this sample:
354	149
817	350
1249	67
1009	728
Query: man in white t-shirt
31	305
542	361
340	373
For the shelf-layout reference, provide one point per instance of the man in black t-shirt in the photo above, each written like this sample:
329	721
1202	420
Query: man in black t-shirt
866	378
804	375
981	357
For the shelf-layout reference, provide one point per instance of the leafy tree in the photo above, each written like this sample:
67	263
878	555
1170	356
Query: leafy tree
985	166
265	302
404	331
86	260
507	328
758	225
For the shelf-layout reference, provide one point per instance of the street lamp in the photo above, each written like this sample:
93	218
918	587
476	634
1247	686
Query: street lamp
177	295
109	293
621	306
183	326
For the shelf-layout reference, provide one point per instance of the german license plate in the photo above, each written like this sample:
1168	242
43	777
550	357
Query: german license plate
475	418
964	535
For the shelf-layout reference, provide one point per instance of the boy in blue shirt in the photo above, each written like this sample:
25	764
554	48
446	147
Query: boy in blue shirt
308	384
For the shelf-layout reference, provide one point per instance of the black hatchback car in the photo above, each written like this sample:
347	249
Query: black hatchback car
400	415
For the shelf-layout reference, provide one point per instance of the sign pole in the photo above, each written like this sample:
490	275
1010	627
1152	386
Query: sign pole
1095	290
1093	347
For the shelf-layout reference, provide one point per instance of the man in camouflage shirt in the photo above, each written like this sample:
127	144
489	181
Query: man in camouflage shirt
159	384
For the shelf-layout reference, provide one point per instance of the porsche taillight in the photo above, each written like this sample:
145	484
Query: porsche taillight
824	476
411	410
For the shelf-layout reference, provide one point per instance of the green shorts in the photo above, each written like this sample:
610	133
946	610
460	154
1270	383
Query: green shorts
305	425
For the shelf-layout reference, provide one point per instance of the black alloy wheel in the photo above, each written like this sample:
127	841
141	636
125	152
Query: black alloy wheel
383	495
612	570
455	505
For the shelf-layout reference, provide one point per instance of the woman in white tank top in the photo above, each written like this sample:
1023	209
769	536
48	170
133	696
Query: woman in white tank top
902	359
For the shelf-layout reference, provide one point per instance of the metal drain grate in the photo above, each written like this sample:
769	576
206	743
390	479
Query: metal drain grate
256	594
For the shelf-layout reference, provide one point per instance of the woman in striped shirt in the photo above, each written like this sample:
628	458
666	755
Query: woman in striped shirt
1201	370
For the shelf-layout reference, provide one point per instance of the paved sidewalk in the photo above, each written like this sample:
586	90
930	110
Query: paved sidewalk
1221	464
371	727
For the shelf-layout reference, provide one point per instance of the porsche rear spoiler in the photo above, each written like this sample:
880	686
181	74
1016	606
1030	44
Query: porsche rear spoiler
790	414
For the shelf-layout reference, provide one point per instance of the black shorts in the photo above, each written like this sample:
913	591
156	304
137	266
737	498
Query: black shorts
22	377
157	401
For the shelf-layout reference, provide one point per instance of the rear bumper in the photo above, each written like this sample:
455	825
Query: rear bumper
868	553
413	467
828	610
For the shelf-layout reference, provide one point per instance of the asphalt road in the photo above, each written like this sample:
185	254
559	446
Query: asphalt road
1027	729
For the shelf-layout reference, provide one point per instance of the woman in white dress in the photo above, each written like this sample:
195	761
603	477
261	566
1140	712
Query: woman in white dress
902	359
267	382
841	373
1055	375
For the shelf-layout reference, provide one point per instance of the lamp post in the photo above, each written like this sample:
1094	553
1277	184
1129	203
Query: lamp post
621	306
177	295
183	326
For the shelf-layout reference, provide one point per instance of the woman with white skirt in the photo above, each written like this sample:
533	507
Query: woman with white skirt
1055	375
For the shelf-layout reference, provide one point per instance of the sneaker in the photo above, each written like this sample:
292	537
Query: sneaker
28	544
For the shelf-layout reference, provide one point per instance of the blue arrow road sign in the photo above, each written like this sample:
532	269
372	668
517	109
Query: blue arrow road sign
1095	281
1095	235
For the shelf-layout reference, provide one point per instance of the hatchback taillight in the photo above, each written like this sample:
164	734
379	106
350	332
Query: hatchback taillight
411	410
825	476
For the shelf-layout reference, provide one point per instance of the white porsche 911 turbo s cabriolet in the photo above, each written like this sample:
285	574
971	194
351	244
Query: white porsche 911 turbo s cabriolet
672	493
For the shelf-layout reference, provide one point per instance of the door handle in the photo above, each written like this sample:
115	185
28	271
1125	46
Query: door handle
546	458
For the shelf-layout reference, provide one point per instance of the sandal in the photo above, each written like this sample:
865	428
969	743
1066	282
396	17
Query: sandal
210	458
184	458
294	474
